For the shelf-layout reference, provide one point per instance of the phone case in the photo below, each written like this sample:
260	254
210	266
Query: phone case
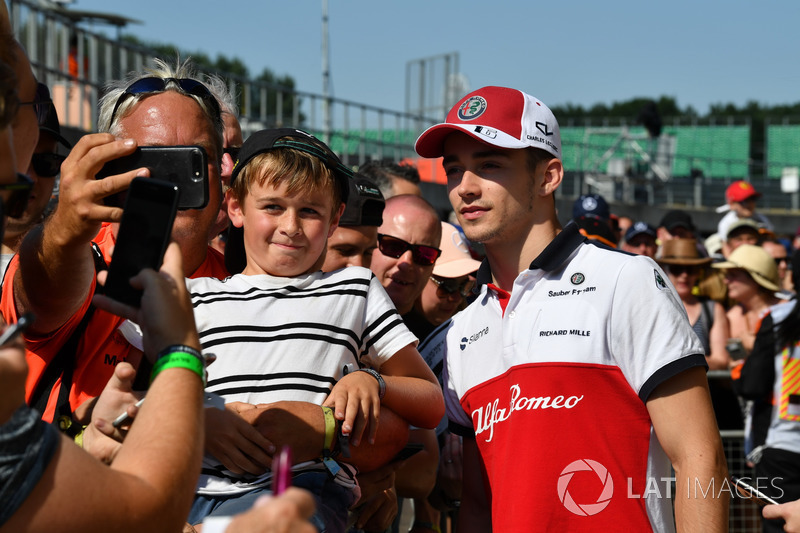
144	234
185	166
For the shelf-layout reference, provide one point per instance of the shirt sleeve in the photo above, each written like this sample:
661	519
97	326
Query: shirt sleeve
385	333
651	338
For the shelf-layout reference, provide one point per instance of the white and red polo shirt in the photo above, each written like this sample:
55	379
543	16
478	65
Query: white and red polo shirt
552	380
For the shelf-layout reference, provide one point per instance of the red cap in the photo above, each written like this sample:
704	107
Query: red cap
499	116
739	191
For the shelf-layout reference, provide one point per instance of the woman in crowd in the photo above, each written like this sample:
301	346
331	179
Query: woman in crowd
752	280
684	266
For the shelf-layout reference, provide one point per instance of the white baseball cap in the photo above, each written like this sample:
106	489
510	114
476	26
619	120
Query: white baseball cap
503	117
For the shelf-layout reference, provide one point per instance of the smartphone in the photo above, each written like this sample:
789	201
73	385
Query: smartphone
410	449
15	330
144	233
282	471
751	493
185	166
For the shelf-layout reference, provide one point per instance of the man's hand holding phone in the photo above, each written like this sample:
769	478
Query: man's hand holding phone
81	206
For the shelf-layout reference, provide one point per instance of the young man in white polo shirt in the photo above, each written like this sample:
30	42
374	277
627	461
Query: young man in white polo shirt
575	370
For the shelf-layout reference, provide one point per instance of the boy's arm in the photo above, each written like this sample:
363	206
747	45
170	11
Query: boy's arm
301	425
693	445
406	385
412	390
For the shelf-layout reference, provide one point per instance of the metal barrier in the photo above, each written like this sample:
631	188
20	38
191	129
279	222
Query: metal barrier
745	515
76	63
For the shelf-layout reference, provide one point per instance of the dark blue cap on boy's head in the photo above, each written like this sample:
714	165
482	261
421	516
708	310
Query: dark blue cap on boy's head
266	140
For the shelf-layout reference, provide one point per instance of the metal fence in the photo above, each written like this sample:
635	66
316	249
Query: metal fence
76	63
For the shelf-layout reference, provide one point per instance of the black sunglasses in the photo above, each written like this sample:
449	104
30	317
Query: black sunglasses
16	202
446	287
41	103
157	85
677	270
420	254
47	165
232	151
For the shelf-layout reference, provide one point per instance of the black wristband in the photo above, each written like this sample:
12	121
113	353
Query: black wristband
381	383
182	348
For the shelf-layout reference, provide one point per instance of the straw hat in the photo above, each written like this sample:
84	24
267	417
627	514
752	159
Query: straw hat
681	252
455	260
757	262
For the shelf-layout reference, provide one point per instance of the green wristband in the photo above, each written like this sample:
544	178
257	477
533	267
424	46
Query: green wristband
179	360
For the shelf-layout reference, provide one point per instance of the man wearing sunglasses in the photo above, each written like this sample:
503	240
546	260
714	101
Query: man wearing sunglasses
54	273
44	167
408	246
573	359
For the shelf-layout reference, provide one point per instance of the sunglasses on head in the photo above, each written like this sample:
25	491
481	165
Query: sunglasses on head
677	270
446	286
420	254
17	201
47	165
41	103
158	85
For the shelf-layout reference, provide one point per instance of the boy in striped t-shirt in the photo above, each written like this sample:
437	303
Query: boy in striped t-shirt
285	332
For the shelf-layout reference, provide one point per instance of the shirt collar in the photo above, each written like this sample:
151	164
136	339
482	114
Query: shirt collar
551	258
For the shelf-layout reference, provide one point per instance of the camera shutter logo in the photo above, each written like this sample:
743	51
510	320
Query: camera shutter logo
585	509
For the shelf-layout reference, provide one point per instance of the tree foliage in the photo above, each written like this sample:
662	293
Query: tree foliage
234	68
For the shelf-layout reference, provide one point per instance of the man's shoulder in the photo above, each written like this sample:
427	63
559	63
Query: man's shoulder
348	273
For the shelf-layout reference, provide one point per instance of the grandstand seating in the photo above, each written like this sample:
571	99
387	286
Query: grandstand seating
783	148
717	151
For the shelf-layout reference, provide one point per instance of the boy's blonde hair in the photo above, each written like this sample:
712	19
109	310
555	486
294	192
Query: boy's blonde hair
301	172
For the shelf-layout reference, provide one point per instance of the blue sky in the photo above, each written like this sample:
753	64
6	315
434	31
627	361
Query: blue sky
581	52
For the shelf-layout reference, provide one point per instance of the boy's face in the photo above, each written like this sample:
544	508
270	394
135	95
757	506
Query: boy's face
284	235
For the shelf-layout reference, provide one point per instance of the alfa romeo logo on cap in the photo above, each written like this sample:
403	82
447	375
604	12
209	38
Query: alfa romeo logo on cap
472	108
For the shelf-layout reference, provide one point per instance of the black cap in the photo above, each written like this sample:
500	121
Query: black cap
677	218
266	140
591	205
364	204
640	228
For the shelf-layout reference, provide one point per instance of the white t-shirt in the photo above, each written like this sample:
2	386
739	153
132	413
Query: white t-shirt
290	339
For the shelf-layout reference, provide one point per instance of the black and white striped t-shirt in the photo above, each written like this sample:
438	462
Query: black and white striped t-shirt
281	338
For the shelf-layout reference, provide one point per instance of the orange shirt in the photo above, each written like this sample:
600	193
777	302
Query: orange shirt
102	345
